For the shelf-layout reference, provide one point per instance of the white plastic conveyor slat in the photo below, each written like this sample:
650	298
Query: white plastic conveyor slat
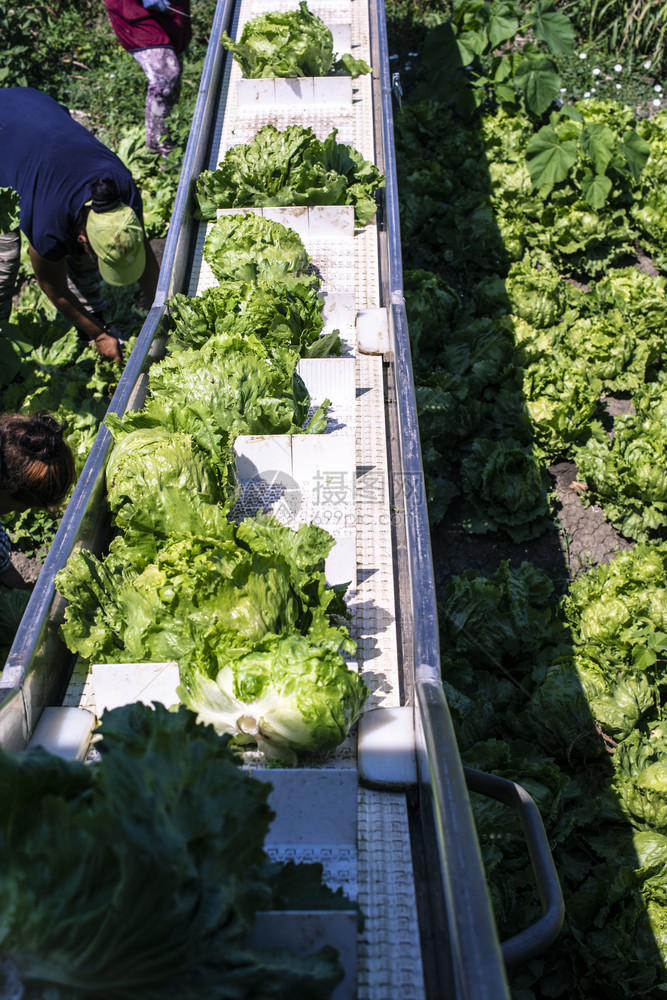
389	957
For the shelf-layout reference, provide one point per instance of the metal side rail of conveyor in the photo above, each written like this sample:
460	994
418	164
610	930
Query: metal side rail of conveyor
388	813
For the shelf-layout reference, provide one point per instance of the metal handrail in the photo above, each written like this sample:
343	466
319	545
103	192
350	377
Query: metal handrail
474	966
534	939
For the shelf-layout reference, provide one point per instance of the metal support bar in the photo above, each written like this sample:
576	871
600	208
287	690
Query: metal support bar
535	939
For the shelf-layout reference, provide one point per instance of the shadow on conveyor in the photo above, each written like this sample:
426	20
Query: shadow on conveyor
512	668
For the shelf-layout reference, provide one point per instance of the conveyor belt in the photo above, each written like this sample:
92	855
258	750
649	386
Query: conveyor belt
389	958
429	930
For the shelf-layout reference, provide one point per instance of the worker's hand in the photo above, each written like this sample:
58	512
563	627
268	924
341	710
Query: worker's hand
160	5
109	345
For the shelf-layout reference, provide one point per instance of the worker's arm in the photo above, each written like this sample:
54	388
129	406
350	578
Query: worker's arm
148	280
12	578
52	279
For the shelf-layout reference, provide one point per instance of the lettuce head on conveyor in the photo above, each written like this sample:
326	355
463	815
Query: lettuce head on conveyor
289	43
287	696
139	876
147	461
280	314
158	592
232	385
292	167
249	247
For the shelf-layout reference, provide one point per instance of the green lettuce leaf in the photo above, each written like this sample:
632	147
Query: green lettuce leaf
144	902
287	696
250	248
505	489
284	314
155	600
284	44
627	476
9	210
292	167
146	462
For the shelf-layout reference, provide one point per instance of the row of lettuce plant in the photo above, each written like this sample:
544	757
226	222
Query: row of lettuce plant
242	606
523	224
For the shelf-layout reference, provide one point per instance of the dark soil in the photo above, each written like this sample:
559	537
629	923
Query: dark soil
581	537
28	566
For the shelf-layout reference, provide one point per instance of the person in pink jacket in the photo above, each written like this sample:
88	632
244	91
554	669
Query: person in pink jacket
156	33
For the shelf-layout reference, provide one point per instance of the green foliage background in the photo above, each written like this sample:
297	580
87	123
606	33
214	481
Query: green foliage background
568	699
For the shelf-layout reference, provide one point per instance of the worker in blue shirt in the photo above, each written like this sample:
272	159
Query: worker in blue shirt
80	210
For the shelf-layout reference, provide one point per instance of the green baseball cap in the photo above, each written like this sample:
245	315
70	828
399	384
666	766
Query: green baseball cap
117	237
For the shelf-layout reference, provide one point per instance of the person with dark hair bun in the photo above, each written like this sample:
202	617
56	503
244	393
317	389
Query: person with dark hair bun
36	470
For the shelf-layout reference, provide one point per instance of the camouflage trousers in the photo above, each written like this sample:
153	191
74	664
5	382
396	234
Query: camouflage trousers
163	68
83	277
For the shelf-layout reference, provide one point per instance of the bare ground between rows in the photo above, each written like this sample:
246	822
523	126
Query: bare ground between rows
581	538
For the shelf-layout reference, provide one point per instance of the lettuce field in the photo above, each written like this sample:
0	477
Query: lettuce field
532	159
534	252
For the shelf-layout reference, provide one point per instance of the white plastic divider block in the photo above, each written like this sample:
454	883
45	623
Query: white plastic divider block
301	480
305	932
326	468
64	732
386	747
329	91
342	38
313	806
339	313
237	211
332	379
294	217
323	91
290	92
116	684
330	222
258	93
373	331
314	223
340	566
258	456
